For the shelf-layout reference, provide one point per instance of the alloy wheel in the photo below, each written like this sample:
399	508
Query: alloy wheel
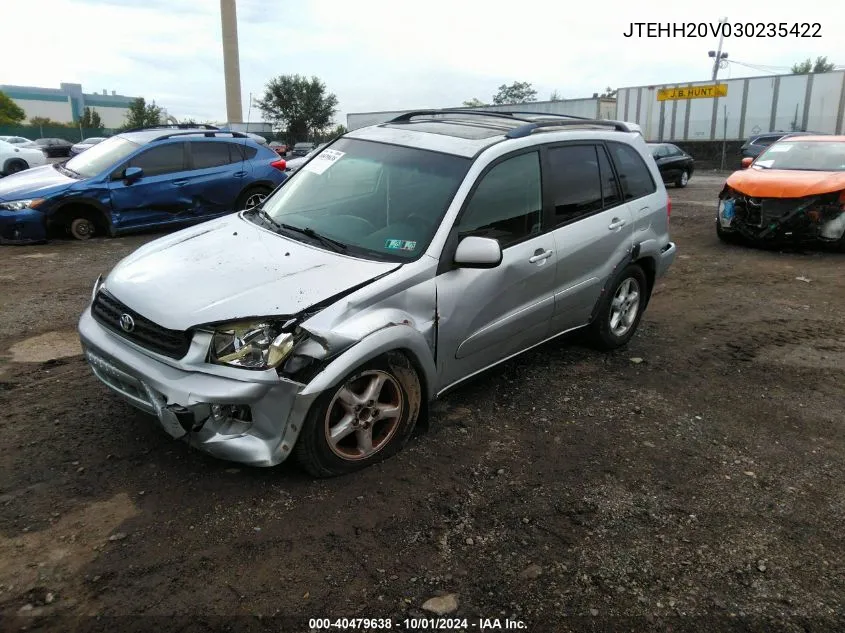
624	307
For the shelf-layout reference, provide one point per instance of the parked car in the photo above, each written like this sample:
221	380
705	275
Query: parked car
54	147
18	141
675	165
759	142
15	158
302	149
280	148
295	163
85	144
401	260
794	192
153	178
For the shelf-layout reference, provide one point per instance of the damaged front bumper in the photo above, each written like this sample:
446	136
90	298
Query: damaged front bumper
254	423
25	226
818	218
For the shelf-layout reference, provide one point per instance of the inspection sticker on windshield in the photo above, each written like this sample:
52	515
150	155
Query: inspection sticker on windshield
322	161
400	245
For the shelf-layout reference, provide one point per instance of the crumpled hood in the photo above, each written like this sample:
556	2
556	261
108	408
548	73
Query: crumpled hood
231	269
33	183
785	183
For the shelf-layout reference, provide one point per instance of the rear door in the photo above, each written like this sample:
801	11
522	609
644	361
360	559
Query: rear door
218	173
160	195
486	315
593	227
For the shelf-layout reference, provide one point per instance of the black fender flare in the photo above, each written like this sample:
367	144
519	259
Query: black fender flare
95	205
632	257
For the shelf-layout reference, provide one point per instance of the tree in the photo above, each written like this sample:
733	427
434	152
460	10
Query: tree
10	112
821	65
517	92
609	93
300	105
45	121
91	120
142	114
474	103
555	96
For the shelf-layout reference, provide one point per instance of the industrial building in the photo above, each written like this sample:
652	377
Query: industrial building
67	103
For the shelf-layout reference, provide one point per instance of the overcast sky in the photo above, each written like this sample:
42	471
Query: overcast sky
384	55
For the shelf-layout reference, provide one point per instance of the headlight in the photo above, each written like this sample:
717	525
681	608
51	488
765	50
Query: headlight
250	345
17	205
97	285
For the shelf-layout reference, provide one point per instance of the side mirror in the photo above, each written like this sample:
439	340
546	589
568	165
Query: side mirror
131	174
746	162
478	252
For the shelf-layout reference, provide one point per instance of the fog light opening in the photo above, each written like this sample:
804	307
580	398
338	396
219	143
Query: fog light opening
231	419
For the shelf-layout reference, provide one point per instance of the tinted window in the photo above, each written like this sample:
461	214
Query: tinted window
673	150
575	182
210	154
609	182
636	178
162	159
507	204
239	151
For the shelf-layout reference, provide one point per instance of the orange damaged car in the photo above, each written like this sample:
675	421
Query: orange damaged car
792	193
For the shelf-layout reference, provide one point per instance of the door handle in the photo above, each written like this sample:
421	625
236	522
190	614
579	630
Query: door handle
539	256
179	183
239	174
617	223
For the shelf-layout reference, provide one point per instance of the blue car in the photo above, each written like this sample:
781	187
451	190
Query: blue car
142	179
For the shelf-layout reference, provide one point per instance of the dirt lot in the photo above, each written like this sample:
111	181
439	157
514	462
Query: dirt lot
693	481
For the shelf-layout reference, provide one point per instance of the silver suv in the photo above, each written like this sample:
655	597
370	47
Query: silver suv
397	262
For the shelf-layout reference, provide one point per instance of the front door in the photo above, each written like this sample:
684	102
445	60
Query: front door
160	196
486	315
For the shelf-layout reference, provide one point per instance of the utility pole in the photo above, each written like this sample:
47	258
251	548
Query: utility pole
718	54
231	61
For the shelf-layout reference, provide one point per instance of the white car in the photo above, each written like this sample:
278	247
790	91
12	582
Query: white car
18	141
14	158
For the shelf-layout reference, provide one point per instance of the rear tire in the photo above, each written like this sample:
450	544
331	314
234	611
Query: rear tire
364	419
252	197
621	309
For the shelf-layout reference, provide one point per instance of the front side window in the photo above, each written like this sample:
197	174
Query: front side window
635	176
507	204
379	201
101	157
159	160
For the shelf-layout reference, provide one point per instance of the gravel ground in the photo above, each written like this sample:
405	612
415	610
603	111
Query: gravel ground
691	482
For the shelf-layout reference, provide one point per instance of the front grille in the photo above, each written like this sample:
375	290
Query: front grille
173	343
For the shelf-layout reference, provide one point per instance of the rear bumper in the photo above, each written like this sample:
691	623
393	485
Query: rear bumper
665	258
22	227
182	400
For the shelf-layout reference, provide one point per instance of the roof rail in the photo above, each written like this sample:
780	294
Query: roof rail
543	114
407	116
171	126
525	130
207	134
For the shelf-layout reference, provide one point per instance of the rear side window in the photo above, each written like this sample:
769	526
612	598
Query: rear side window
575	182
161	159
240	151
635	176
507	204
210	154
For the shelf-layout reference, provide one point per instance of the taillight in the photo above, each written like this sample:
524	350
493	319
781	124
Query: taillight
280	164
668	208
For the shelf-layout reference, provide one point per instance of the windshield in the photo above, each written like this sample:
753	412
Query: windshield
380	200
91	141
805	156
101	156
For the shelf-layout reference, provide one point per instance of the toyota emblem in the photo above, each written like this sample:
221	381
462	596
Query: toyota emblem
127	323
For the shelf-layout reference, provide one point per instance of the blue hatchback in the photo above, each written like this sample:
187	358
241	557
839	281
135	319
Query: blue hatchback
141	179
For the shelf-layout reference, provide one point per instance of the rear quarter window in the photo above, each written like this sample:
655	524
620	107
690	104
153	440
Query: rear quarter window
633	173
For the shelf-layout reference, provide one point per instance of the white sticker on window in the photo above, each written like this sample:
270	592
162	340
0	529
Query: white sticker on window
780	148
322	161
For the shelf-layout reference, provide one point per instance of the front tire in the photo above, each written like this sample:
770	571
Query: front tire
364	419
683	180
621	310
15	166
81	228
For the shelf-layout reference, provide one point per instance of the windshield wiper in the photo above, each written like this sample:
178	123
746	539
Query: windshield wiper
335	245
266	217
